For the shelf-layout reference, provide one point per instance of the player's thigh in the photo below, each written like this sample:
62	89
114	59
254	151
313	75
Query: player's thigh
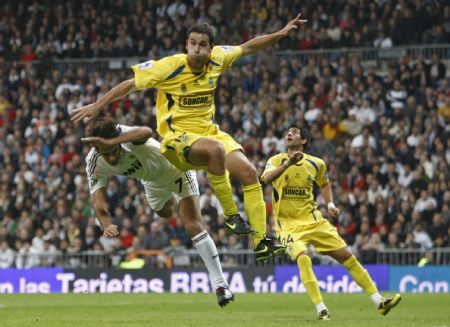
180	186
325	238
236	162
158	198
176	148
294	243
185	190
229	143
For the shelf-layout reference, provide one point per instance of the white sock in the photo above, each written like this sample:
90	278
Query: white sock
208	251
321	306
376	298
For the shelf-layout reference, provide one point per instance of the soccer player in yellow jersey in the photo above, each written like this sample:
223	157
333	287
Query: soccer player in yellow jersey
185	119
298	221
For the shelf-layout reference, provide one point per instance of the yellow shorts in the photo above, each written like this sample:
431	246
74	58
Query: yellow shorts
175	147
322	235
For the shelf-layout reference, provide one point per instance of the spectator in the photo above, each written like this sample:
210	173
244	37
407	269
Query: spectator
27	257
425	202
7	255
421	237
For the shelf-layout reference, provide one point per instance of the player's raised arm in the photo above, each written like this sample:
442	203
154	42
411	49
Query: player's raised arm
91	111
99	203
136	135
260	42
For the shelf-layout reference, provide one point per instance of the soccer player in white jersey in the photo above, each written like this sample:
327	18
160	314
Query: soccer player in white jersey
186	85
131	152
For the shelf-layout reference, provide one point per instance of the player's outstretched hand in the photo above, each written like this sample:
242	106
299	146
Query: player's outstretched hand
85	113
111	231
334	212
96	141
294	24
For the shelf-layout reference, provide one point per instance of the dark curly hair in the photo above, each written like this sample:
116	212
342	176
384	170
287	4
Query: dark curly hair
202	28
103	127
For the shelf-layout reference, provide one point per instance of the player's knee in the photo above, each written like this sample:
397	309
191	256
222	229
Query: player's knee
193	226
248	175
165	213
216	153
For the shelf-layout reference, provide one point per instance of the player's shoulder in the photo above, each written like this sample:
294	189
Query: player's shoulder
91	156
315	161
164	63
278	158
92	160
220	51
173	60
224	48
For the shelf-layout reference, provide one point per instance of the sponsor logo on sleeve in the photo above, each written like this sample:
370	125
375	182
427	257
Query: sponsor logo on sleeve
146	65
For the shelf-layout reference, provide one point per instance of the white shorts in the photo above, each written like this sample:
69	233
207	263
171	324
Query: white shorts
180	186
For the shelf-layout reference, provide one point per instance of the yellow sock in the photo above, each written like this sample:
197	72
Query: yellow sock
222	189
309	279
255	208
360	275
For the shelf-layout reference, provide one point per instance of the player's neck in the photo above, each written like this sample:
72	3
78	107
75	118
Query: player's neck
294	149
196	66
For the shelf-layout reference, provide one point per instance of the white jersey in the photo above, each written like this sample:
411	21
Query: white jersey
144	162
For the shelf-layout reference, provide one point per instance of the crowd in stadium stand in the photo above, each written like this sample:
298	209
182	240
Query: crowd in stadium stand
384	134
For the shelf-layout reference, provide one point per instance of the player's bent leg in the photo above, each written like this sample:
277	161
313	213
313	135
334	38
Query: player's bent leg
311	285
255	207
210	153
241	168
167	209
363	279
207	152
358	273
190	215
189	209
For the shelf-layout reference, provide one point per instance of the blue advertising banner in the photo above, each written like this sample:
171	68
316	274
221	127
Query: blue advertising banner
34	280
286	279
429	279
331	279
59	280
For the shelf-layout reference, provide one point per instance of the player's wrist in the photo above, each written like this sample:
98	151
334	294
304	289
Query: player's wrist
331	205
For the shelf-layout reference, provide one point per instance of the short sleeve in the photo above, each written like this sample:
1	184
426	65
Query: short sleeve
271	164
228	53
96	179
322	174
148	74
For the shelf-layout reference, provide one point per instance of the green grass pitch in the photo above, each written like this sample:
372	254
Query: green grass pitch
161	310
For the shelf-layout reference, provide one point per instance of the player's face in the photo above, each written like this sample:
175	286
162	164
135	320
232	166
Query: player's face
198	50
110	154
293	138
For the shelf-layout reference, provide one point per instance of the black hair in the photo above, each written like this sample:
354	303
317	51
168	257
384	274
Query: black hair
203	28
304	134
103	127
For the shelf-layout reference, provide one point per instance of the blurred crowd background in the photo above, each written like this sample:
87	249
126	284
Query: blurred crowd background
383	132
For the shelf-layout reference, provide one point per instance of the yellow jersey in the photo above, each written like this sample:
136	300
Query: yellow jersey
293	198
185	99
